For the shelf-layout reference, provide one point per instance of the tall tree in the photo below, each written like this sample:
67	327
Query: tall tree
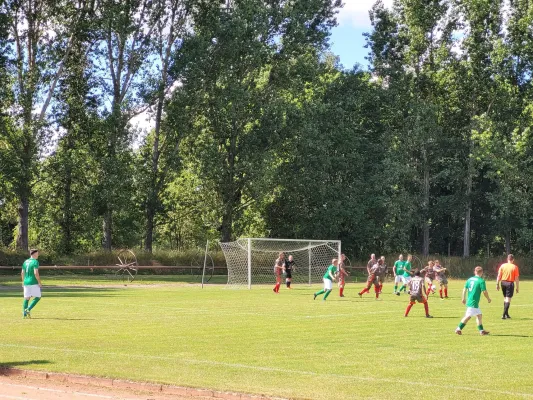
242	56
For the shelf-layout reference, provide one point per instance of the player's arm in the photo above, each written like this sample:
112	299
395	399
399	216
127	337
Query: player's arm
517	281
463	299
332	276
22	276
37	276
486	294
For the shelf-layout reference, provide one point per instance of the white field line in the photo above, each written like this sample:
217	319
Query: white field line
272	369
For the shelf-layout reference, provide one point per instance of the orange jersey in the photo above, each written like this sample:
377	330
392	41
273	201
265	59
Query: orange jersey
508	272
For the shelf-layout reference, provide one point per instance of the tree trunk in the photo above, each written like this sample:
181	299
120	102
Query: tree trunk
508	242
23	213
67	210
148	240
425	205
227	223
107	229
469	178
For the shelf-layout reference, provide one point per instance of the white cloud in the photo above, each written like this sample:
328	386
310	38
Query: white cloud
355	12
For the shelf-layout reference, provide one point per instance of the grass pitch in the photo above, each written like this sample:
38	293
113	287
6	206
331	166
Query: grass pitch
284	345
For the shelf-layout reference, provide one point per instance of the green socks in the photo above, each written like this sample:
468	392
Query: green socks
395	288
480	327
461	325
25	305
327	294
402	288
319	293
34	302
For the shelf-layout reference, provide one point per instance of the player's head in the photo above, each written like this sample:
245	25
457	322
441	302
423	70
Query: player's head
382	258
510	258
372	256
417	272
281	255
400	257
478	271
431	263
437	262
409	257
335	262
343	257
291	258
34	253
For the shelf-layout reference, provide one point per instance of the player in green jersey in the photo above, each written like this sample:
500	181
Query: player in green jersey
31	282
398	273
475	286
329	277
406	277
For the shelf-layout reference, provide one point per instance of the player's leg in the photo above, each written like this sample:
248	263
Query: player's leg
463	322
403	284
426	307
396	281
508	292
36	294
446	289
366	289
441	289
327	293
479	319
409	306
376	288
341	289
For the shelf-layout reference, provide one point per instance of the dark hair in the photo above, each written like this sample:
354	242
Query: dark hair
510	257
417	272
33	251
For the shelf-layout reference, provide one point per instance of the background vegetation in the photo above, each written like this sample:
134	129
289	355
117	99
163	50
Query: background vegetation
258	130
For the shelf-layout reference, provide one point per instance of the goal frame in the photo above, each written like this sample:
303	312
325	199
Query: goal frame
249	252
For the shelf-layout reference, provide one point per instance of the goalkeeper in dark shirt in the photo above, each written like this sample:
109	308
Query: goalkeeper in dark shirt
289	267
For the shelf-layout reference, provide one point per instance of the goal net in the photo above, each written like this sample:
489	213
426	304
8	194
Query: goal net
251	261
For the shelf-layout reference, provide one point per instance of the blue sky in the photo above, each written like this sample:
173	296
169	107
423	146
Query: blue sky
347	39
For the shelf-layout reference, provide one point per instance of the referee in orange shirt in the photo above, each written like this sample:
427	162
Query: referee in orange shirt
508	276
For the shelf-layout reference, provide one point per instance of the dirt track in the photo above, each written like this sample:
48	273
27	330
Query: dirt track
17	388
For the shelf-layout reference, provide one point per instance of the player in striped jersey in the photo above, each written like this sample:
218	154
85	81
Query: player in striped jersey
417	289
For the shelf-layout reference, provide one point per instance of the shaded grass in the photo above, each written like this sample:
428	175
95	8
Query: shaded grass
285	345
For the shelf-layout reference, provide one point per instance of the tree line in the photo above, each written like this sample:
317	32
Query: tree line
258	130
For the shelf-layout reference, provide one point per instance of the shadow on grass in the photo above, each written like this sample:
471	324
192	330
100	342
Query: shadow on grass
14	364
67	319
446	317
50	292
524	336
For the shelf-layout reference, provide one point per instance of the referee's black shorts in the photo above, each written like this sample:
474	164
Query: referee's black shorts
507	289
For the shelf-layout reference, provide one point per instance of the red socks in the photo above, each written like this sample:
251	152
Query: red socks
365	290
341	291
428	291
440	292
408	309
445	292
376	289
276	288
426	308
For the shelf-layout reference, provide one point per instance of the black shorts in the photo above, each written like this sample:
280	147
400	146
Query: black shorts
507	289
288	274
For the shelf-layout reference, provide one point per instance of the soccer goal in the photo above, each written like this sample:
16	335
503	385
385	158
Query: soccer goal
251	261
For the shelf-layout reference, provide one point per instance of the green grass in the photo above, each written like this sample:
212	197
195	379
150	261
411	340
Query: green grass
284	345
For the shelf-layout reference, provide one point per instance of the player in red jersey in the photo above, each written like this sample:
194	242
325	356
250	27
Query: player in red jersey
373	279
342	275
417	289
278	270
429	274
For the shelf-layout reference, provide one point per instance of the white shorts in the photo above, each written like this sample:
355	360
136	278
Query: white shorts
32	291
472	312
398	279
406	279
328	284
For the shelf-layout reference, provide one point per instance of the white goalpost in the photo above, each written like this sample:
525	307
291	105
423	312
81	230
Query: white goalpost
251	261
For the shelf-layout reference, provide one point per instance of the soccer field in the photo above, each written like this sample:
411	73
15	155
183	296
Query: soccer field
285	345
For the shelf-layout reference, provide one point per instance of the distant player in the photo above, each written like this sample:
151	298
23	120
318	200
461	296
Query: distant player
289	267
31	281
371	263
429	273
508	275
373	279
342	275
398	273
417	289
441	277
406	273
475	286
279	265
329	277
384	268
